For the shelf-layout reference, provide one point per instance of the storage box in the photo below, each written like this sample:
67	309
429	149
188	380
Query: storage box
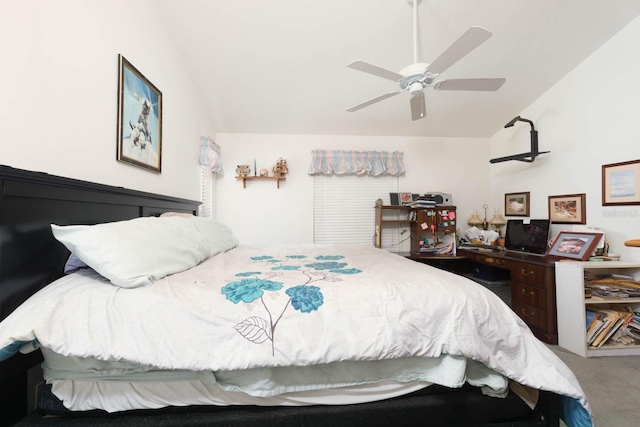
487	272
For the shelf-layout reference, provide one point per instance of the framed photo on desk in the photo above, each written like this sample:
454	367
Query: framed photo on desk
574	245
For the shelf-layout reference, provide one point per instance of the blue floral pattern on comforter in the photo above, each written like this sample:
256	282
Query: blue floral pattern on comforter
303	297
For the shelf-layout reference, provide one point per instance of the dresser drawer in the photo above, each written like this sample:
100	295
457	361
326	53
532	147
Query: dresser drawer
489	260
527	294
533	316
528	273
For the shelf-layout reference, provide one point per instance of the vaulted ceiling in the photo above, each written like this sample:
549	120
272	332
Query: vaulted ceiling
280	66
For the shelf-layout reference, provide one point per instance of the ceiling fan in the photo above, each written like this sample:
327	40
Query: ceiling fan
414	78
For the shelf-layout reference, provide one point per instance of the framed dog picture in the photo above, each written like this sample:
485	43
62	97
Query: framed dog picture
139	119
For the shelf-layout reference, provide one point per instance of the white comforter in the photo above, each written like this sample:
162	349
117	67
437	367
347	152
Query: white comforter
260	308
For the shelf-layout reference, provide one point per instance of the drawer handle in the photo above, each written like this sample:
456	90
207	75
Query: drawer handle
527	294
525	313
525	274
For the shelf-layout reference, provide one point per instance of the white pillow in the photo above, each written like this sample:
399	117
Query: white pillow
140	251
183	214
219	236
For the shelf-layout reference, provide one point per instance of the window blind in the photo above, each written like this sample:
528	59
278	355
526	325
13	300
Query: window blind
206	190
344	209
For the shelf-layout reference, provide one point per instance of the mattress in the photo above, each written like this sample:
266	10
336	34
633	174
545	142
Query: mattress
85	384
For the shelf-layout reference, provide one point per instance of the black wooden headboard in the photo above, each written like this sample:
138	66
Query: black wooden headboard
30	257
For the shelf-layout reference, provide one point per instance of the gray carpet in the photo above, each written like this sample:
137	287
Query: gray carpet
611	384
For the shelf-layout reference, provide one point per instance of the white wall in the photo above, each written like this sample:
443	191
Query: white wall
58	114
58	92
588	119
262	214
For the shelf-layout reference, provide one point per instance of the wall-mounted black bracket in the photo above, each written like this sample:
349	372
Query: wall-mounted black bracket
523	157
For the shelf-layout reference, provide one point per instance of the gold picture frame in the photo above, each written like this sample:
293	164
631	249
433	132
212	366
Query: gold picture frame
568	209
139	119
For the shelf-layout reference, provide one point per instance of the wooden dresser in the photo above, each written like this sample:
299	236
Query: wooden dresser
533	289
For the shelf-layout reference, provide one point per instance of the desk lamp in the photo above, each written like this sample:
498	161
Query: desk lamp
476	221
498	221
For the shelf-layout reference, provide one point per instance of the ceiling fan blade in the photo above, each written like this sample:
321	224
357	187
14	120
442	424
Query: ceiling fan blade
375	70
470	84
373	101
470	40
418	107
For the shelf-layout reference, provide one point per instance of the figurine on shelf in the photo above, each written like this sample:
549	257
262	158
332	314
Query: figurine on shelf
243	170
281	168
264	172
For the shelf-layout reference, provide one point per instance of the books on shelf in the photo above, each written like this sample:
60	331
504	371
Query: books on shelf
611	286
421	203
595	330
609	323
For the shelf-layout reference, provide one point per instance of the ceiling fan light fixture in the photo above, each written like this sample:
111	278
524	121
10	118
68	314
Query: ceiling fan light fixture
415	88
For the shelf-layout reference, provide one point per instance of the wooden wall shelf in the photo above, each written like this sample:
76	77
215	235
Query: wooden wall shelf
260	178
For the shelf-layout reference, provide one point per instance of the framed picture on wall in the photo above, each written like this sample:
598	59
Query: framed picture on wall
621	183
516	204
568	209
139	119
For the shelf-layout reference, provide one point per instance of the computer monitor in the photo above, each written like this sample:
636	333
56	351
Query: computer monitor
527	235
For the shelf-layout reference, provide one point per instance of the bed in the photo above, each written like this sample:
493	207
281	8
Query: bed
166	318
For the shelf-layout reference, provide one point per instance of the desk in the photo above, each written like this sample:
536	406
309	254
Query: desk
458	264
533	289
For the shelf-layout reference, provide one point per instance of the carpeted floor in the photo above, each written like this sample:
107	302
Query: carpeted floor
611	384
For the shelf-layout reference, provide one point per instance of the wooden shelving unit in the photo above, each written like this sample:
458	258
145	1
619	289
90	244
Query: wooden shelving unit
244	179
416	219
426	218
381	221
